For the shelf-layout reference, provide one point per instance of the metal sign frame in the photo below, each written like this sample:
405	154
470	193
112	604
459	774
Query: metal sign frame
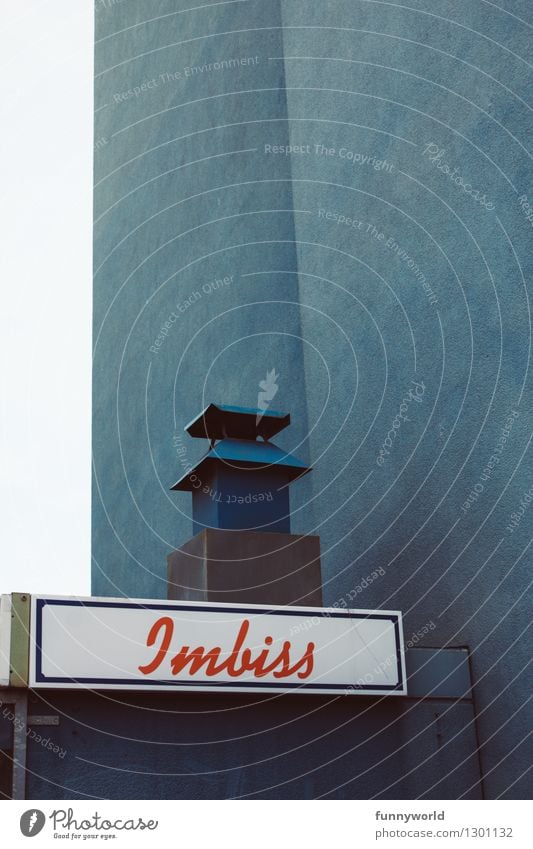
300	618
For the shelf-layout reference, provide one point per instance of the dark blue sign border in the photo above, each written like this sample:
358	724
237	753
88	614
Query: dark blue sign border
134	684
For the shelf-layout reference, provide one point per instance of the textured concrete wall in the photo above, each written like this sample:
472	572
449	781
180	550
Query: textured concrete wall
400	333
182	200
213	747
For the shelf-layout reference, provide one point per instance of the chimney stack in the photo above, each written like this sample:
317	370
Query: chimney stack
242	548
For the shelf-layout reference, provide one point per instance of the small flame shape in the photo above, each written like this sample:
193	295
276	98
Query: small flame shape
269	389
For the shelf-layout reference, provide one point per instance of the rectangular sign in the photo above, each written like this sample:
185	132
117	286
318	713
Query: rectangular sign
118	644
5	639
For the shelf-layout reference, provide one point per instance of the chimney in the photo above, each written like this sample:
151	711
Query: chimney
242	548
242	482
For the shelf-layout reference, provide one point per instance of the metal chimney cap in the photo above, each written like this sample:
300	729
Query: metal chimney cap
218	421
237	453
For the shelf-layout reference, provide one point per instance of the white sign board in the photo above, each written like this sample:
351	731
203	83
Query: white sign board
118	644
5	639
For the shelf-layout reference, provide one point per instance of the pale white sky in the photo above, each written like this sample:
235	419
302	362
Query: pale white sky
46	53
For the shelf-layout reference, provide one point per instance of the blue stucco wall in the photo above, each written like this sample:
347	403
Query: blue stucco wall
414	305
211	747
